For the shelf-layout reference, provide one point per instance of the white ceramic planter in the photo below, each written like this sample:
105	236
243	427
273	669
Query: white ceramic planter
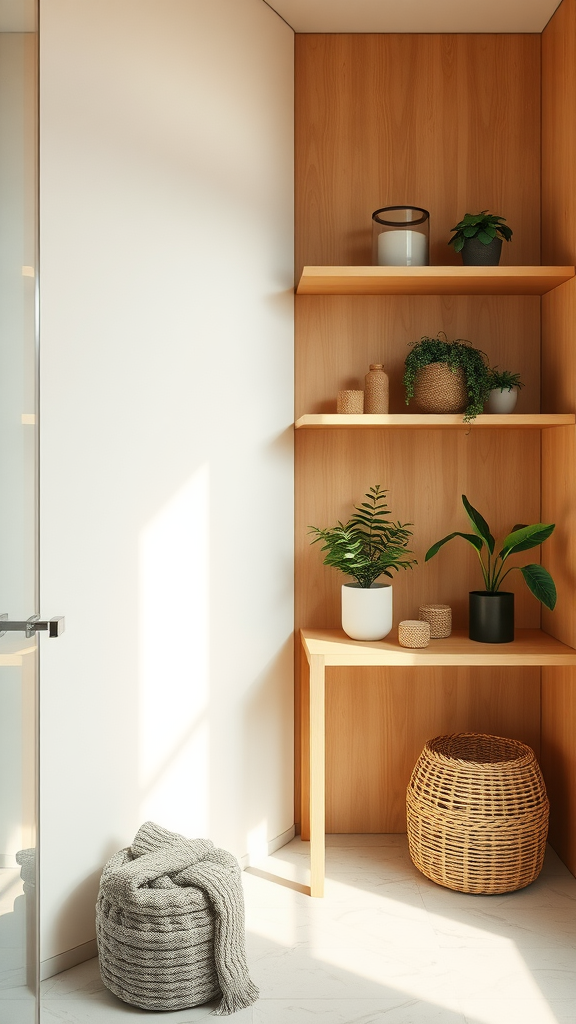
502	401
367	611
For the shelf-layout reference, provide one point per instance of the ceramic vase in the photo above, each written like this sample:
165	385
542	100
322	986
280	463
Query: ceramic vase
502	401
491	616
367	611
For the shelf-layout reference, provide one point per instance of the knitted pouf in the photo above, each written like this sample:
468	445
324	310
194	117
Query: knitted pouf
477	813
170	924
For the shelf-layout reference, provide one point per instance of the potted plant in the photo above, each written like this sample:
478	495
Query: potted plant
446	376
504	388
368	546
492	609
478	236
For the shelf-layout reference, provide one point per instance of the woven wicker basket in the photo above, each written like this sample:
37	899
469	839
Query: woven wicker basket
440	618
438	389
413	633
477	813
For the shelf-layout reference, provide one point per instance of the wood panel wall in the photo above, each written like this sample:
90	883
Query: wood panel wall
450	123
559	392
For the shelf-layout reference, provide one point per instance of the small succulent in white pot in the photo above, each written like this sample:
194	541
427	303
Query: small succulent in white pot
504	387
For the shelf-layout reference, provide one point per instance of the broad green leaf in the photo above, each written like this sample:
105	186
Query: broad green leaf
525	538
540	583
458	245
479	524
484	237
469	231
476	542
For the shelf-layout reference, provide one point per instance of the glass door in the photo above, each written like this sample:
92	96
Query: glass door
18	512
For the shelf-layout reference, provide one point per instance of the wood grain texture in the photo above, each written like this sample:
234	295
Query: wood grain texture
558	759
559	394
559	506
432	280
530	648
337	337
559	136
378	720
426	473
431	421
451	123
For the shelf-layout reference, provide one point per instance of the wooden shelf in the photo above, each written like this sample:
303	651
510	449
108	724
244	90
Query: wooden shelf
531	647
535	421
432	280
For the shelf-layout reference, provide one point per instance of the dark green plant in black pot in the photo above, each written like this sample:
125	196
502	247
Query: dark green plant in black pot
447	376
492	609
479	236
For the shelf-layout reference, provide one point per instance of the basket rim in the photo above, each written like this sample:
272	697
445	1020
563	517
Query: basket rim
520	753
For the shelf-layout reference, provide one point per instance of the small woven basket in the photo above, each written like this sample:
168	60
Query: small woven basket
413	633
350	402
439	389
477	813
440	618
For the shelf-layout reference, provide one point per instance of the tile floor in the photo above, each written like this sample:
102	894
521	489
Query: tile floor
385	945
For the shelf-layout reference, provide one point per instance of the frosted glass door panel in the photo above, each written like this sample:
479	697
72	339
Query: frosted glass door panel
18	516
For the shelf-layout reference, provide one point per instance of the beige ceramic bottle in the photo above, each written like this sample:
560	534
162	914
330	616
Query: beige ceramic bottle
376	390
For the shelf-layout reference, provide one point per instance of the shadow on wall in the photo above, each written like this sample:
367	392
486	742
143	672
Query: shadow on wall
268	741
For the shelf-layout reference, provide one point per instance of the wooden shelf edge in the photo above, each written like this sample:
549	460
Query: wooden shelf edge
531	647
432	280
311	421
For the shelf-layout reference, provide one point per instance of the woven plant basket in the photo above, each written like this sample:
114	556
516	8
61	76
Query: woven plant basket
438	389
477	813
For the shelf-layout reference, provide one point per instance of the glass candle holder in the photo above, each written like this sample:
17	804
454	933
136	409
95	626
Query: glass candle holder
400	237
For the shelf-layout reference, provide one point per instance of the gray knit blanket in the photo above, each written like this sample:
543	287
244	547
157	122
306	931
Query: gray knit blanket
170	924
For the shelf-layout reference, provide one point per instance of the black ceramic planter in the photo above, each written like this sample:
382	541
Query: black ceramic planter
491	617
476	254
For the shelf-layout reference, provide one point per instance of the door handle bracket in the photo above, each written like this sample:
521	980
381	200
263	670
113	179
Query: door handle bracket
54	627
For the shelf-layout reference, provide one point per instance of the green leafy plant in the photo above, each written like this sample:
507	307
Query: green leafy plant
368	545
457	354
503	380
521	538
484	226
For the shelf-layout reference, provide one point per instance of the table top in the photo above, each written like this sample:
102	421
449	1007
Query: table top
530	647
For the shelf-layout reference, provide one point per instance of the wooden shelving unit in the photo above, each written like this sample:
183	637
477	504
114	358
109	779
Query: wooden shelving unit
530	647
432	280
371	707
531	421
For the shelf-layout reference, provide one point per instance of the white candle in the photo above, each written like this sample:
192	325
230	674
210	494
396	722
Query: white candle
402	249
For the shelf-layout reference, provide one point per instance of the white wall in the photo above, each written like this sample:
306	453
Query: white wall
166	458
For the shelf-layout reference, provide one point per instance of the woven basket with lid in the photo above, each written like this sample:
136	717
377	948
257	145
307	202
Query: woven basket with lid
477	813
439	389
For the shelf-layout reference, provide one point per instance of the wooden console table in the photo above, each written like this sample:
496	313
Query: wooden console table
324	648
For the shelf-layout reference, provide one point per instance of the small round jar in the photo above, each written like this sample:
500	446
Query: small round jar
350	403
413	633
400	237
439	617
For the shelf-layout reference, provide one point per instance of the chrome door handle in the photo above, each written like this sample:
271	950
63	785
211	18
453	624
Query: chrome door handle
54	627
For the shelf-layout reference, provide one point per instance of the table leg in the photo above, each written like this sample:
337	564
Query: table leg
317	775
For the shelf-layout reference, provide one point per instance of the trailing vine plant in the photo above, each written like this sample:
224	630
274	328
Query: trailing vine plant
369	545
458	354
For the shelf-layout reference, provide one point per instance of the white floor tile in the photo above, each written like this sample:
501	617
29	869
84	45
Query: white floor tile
386	945
352	1011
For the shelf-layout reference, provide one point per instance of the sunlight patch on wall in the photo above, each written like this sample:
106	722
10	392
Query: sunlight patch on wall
174	661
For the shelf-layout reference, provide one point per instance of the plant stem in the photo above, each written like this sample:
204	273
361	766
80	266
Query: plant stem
498	579
484	573
511	569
